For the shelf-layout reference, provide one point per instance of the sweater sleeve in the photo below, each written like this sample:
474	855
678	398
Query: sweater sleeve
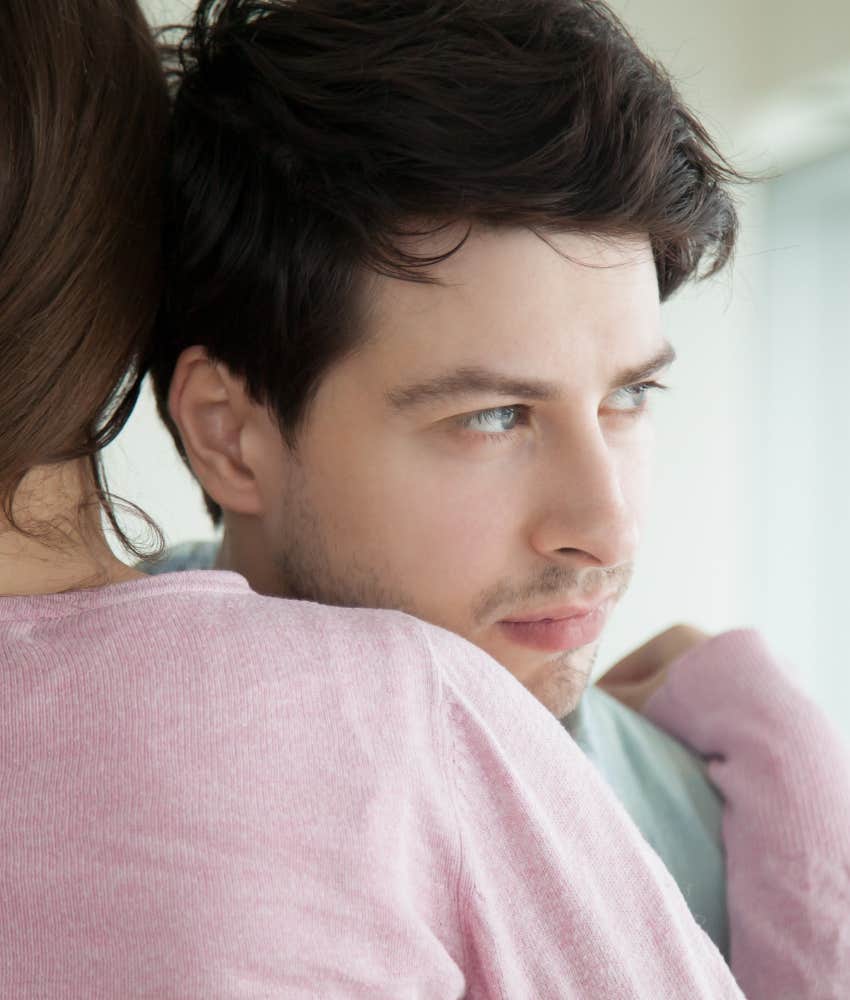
784	773
559	894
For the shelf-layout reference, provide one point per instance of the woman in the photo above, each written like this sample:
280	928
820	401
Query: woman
79	236
209	793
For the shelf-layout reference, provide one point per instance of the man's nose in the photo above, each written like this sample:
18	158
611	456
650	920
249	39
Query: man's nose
584	514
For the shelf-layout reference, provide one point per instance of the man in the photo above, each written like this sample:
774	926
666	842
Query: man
411	331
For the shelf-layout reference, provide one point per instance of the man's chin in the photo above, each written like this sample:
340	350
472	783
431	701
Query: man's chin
561	688
558	682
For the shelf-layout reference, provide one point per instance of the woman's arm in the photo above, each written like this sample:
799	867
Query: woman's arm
784	773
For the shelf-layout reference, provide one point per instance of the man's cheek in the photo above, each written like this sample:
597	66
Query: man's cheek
636	477
460	533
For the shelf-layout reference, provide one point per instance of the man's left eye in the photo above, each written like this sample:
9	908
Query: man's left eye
634	397
496	421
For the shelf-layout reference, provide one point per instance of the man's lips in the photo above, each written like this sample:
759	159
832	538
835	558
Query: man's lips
558	629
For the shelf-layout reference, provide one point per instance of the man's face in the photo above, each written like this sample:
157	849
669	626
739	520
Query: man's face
482	460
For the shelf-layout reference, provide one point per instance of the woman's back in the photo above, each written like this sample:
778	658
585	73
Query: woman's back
154	744
209	793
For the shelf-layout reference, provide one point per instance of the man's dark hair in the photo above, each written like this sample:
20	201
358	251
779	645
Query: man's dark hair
310	138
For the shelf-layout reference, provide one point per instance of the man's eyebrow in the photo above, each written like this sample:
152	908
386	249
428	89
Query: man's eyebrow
666	356
474	380
470	381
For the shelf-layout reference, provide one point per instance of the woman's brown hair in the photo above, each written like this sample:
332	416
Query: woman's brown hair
83	113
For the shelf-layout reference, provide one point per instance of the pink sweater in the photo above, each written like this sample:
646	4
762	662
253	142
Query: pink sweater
207	794
784	774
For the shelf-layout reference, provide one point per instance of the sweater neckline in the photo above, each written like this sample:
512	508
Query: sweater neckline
29	606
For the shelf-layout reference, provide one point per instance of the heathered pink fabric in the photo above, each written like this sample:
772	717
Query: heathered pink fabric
206	793
784	772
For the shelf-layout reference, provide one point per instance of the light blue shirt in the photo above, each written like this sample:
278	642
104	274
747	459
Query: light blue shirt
665	790
661	784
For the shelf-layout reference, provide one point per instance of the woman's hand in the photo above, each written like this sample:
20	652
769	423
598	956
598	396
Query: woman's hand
638	675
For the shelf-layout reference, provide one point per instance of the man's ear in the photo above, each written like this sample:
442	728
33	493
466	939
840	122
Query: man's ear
218	423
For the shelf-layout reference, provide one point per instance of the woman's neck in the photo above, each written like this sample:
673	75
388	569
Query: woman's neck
57	541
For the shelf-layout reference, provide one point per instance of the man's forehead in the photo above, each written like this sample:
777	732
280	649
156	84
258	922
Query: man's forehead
517	276
519	311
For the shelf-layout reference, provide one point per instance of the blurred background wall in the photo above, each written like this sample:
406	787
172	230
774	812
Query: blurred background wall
752	514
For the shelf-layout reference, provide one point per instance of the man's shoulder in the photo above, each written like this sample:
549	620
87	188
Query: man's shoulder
185	556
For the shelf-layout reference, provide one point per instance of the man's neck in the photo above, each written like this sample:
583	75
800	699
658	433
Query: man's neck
243	551
56	542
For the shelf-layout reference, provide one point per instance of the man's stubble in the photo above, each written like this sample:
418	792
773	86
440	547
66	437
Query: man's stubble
307	570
